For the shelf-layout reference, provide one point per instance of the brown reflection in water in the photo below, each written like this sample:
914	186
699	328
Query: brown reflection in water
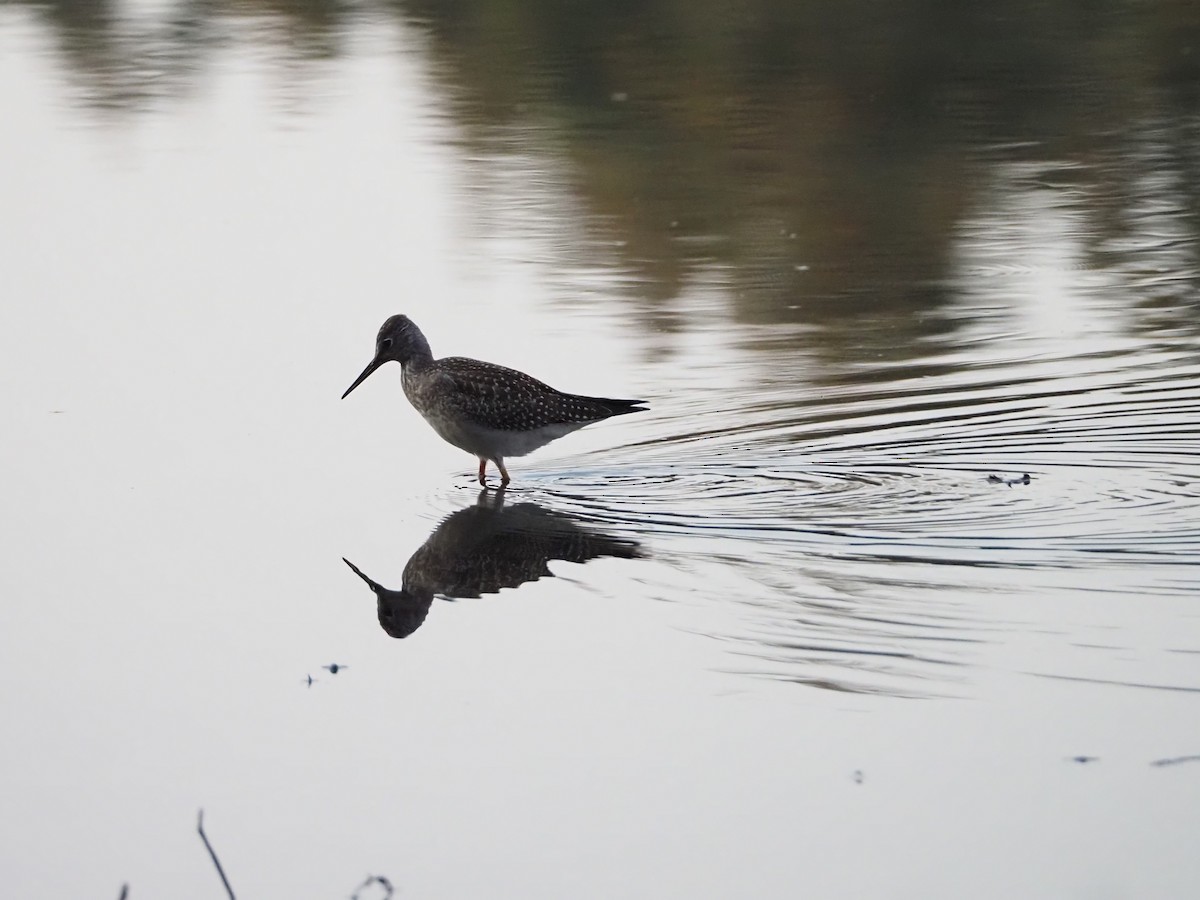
818	155
484	548
121	63
814	159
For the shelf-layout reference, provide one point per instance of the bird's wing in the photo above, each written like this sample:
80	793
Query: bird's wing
504	399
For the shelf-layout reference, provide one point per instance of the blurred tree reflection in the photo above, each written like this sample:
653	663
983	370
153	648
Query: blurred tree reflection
815	157
825	148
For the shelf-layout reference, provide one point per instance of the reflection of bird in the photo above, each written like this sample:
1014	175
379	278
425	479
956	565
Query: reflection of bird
483	548
485	409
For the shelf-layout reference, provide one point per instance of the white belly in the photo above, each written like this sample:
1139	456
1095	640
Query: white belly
488	444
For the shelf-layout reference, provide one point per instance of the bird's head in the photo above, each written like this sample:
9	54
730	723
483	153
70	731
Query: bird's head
399	339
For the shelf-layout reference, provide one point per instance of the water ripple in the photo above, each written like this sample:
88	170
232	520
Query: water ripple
801	507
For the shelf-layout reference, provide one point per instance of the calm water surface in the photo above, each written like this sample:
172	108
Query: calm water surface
893	591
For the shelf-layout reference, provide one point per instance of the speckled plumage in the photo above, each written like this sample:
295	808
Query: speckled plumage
488	410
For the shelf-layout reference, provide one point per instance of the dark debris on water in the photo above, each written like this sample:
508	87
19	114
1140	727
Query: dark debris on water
997	479
380	880
1175	760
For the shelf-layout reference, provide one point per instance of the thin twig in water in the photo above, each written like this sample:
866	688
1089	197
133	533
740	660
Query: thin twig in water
124	891
213	854
374	879
1176	760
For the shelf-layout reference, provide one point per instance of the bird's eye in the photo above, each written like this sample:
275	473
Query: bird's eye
385	344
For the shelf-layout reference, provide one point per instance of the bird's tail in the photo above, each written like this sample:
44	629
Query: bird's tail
614	407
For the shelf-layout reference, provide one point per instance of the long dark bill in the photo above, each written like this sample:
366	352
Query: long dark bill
371	367
357	571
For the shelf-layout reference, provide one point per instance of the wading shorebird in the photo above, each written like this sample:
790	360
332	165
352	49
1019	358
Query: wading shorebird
488	410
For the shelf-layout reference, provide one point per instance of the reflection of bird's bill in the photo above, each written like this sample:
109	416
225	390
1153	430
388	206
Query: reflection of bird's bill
375	586
371	367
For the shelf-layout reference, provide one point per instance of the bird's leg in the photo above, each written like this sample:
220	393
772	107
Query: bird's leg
482	473
504	479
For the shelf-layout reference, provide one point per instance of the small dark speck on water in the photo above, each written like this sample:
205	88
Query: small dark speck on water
334	668
996	479
1084	759
858	776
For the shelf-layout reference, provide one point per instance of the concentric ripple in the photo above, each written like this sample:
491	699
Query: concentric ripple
864	528
1112	469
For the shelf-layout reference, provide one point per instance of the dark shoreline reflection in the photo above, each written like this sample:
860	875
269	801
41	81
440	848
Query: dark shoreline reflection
814	161
486	547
